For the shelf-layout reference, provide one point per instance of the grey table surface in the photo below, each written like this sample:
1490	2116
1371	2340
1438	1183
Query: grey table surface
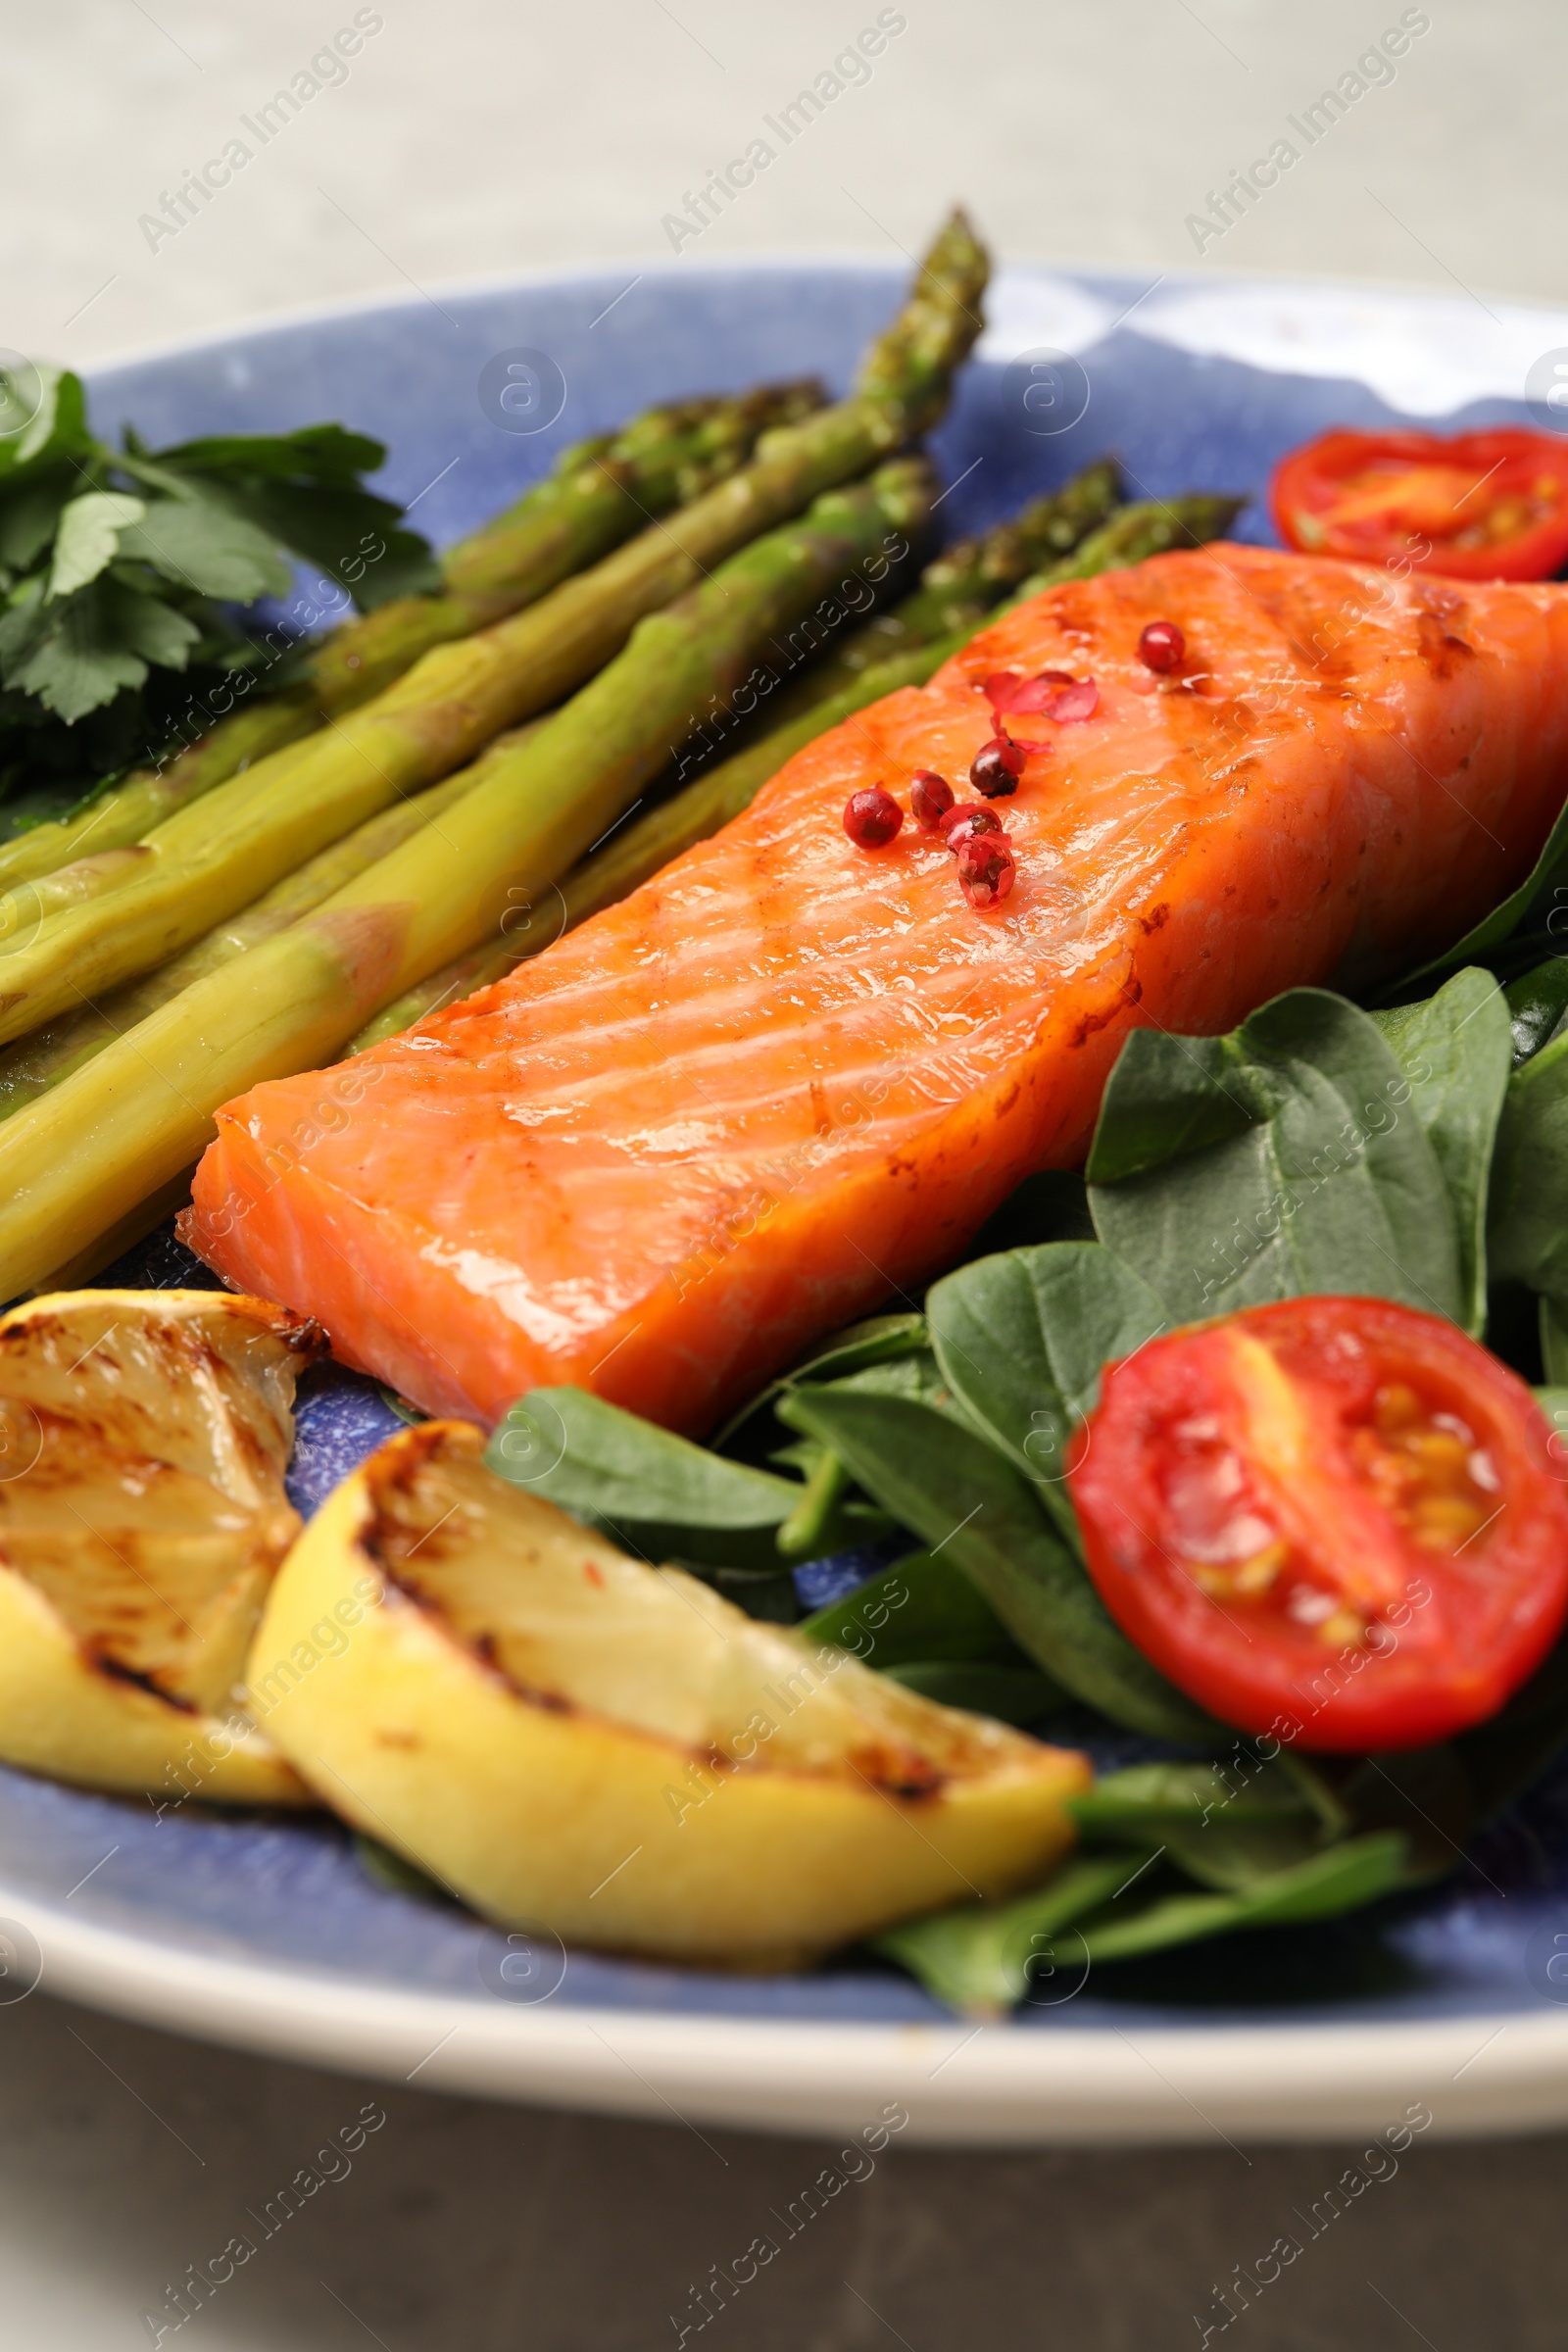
470	138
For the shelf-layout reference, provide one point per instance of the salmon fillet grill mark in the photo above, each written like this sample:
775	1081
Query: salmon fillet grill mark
788	1079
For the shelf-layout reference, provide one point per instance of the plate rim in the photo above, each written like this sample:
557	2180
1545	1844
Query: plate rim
550	275
960	2083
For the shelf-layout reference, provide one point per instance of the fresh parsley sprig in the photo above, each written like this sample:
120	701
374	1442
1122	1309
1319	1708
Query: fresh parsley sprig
119	572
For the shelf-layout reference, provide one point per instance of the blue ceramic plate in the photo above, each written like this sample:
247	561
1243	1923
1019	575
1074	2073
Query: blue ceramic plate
266	1932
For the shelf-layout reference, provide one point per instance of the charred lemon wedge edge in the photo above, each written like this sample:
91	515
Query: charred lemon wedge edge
569	1740
143	1440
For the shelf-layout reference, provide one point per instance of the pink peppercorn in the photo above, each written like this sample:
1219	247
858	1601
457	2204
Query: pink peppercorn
1162	646
996	767
966	821
986	870
872	819
930	798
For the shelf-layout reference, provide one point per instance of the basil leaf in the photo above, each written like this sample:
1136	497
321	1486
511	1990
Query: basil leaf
944	1482
1234	1855
656	1493
205	547
1528	1224
922	1608
1343	1879
980	1958
1456	1050
1016	1694
1278	1161
1021	1339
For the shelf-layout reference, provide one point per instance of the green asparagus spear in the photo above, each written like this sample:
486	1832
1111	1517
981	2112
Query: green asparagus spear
637	853
88	1153
212	858
1134	534
963	583
43	1059
598	494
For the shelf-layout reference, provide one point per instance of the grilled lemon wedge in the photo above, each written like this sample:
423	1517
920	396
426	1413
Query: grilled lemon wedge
143	1439
572	1740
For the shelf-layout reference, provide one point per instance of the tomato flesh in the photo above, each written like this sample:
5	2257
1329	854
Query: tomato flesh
1487	505
1334	1520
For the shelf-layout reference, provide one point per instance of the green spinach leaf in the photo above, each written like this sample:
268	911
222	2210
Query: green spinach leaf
984	1957
981	1958
1017	1695
951	1488
879	1339
1344	1877
1021	1339
922	1608
1456	1050
1528	1224
1278	1160
1537	1004
1226	1825
1140	1804
658	1495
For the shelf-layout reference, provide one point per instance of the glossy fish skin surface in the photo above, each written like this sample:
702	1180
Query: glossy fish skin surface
785	1081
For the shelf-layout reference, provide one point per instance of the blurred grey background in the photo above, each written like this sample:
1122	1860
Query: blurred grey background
468	139
471	137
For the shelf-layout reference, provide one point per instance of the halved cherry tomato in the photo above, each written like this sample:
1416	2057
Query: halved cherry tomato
1334	1520
1487	505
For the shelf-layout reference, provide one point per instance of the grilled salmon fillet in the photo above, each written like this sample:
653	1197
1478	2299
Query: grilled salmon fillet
784	1083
